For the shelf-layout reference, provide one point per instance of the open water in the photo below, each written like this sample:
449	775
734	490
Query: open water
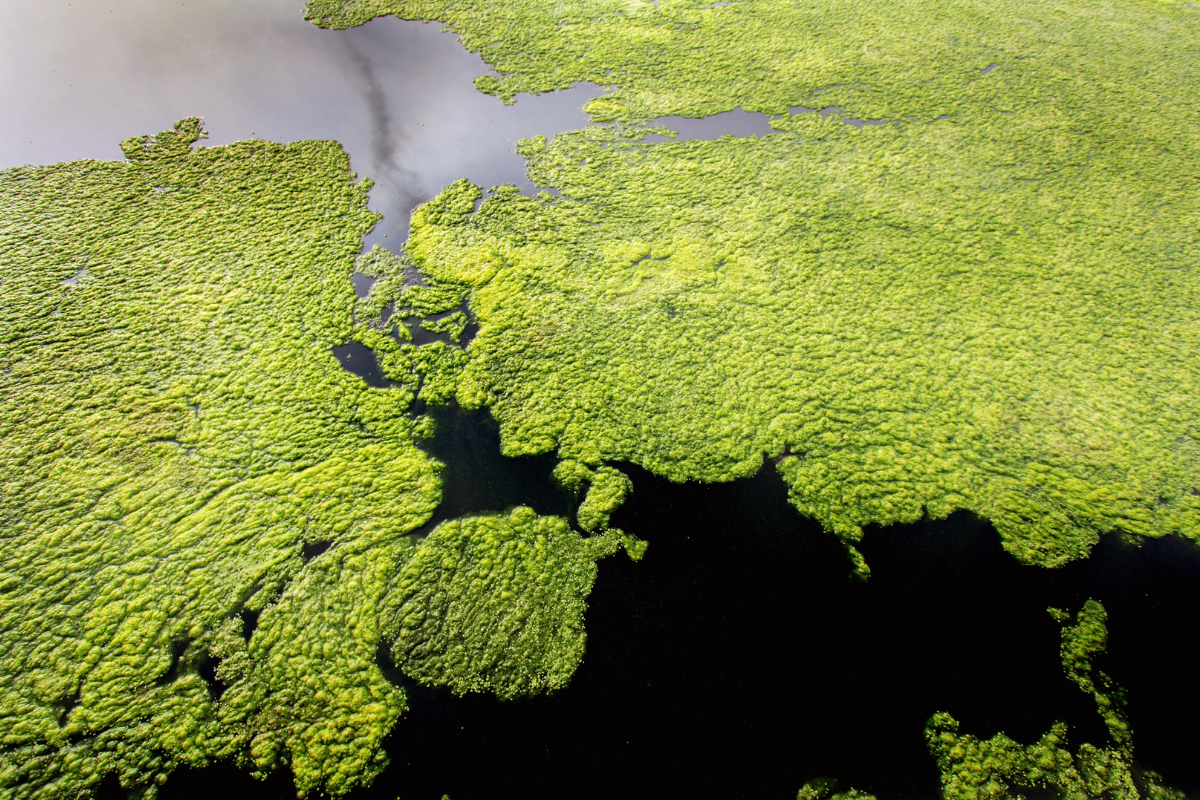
81	76
739	658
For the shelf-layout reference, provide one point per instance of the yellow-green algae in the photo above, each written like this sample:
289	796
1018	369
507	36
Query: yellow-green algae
826	789
879	59
495	604
989	303
429	371
174	431
999	768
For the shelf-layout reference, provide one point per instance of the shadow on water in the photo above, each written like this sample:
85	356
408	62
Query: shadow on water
740	659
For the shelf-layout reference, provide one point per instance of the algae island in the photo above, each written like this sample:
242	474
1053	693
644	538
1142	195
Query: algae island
988	303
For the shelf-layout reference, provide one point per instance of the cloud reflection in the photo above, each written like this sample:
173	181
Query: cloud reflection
398	95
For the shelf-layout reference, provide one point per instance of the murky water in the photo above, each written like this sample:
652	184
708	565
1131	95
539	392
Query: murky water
82	76
740	122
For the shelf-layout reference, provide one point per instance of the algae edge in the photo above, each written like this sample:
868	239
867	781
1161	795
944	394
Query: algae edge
206	516
989	303
1000	768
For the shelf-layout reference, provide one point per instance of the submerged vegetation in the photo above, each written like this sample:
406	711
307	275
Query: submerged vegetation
988	303
999	768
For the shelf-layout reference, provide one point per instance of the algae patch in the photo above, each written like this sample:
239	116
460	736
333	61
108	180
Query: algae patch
1001	768
988	304
495	604
207	517
174	435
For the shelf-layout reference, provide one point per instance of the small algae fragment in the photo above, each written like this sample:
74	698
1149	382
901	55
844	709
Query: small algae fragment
1059	615
496	603
572	475
1082	642
429	371
453	324
635	548
607	492
826	789
1001	768
171	441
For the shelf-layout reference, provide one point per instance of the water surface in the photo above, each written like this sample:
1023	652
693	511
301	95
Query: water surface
399	96
740	658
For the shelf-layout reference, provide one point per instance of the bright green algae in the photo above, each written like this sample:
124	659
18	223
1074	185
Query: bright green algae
937	345
176	430
999	768
995	311
1128	62
496	603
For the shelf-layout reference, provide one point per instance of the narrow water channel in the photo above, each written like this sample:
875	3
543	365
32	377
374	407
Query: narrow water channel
740	659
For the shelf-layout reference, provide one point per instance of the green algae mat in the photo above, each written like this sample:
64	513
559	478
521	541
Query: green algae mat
988	302
177	438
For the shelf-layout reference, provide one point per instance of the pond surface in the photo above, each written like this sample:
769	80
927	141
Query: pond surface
739	658
739	122
398	95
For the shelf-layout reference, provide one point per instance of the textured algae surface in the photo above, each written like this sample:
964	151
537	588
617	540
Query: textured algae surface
974	769
988	303
205	516
495	603
175	432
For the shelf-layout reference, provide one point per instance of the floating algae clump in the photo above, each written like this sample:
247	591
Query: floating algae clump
973	769
496	603
990	303
176	440
826	789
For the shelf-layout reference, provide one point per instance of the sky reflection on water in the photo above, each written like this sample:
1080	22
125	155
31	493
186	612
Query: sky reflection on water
398	95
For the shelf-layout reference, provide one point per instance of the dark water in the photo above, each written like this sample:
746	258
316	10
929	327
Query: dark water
740	659
358	359
477	478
